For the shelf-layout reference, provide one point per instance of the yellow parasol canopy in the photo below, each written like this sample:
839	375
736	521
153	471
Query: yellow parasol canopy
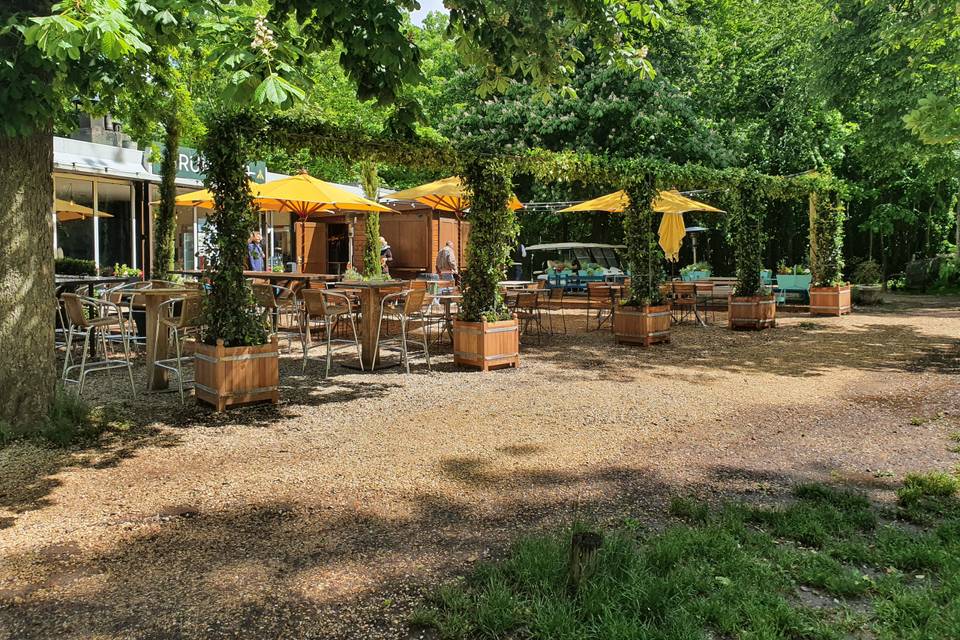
303	194
445	195
67	211
672	204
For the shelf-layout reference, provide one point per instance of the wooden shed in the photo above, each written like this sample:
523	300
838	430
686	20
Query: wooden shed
415	234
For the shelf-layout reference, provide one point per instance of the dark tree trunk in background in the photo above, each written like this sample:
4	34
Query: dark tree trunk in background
166	220
27	363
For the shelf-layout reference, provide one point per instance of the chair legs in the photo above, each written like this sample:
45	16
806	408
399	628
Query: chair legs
92	335
404	351
329	324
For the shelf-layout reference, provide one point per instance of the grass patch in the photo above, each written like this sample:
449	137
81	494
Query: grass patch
70	421
822	566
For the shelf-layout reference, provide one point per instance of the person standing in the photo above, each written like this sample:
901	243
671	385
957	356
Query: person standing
386	256
447	262
255	254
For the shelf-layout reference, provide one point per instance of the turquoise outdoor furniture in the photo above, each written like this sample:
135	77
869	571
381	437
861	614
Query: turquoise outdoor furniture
691	276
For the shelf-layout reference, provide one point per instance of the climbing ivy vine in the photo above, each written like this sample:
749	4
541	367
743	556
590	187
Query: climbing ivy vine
643	253
493	232
229	312
827	261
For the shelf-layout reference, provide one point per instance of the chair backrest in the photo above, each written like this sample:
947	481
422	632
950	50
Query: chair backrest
418	284
191	311
527	299
684	289
598	290
74	310
313	301
542	284
414	300
263	295
555	293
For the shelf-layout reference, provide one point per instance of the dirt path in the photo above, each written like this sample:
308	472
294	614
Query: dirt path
327	516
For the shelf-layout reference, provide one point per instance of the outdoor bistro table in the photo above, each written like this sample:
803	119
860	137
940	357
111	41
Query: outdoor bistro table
157	342
275	277
91	282
516	284
447	300
370	296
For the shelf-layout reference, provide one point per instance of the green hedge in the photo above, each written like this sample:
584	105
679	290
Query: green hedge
75	267
643	254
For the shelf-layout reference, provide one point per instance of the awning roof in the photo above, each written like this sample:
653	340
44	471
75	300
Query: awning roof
557	246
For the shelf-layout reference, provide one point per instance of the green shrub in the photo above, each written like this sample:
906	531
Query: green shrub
867	272
827	267
949	274
75	267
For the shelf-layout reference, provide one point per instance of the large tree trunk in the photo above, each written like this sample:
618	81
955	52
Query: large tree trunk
166	221
27	310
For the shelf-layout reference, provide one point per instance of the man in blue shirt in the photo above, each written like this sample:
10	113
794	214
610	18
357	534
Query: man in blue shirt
255	254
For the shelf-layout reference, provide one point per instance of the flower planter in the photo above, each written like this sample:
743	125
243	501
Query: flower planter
868	294
753	312
691	276
645	325
830	301
227	376
486	345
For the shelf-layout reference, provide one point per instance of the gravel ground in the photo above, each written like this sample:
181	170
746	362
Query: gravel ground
329	515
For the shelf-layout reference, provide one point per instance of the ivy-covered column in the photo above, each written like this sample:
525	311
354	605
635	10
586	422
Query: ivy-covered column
643	252
826	264
493	232
229	308
746	218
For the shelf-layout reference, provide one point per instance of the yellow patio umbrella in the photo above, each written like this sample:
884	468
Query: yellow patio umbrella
203	198
305	195
67	211
672	204
444	195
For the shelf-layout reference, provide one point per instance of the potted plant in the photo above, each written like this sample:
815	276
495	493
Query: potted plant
868	283
644	317
696	271
237	362
485	334
751	305
829	294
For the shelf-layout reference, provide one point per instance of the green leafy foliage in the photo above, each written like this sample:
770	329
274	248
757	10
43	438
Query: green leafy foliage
493	232
827	264
643	254
68	421
229	312
867	272
747	211
370	181
75	267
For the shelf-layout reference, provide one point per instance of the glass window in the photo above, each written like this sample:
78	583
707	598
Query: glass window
280	237
114	203
74	210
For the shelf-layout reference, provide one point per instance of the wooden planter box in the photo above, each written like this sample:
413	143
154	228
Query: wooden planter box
830	301
227	376
642	325
752	312
486	345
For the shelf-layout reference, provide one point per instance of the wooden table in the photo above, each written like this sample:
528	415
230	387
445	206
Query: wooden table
370	296
158	342
516	284
276	277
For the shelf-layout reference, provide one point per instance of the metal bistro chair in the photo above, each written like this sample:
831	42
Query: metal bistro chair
404	307
182	326
275	302
331	306
684	303
92	319
554	302
527	309
598	298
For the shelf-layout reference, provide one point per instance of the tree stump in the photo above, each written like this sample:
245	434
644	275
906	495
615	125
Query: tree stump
583	551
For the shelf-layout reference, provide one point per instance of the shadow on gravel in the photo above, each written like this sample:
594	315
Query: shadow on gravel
307	571
793	351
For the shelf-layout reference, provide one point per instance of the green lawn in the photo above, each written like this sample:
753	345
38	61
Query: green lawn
829	565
